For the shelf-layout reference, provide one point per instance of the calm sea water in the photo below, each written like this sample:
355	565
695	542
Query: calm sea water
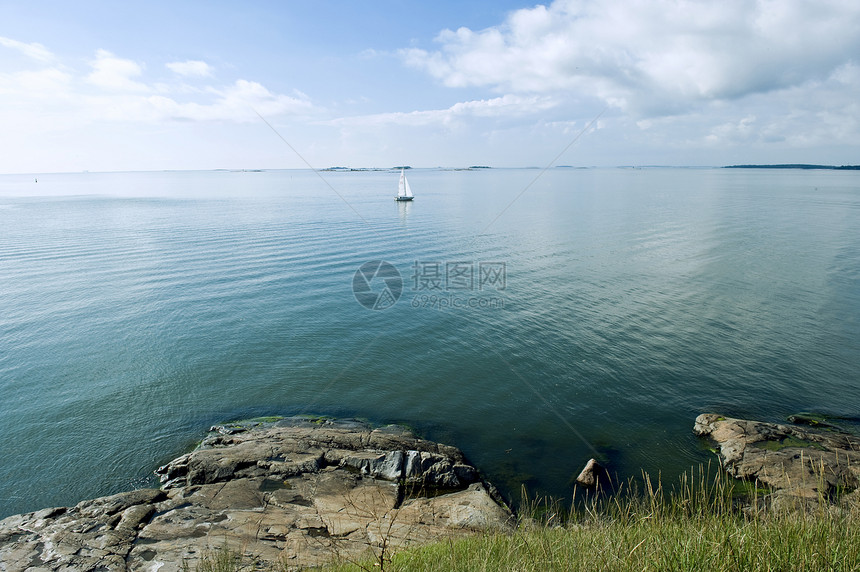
599	314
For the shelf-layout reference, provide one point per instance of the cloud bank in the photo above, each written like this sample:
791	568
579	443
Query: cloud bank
112	88
653	58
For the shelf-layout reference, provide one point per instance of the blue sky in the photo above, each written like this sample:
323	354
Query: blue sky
107	86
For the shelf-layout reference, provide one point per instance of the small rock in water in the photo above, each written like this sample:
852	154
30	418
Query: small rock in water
591	474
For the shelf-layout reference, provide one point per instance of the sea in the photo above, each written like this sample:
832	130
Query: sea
533	318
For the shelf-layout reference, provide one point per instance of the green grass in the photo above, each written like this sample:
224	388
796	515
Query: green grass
699	525
705	522
648	544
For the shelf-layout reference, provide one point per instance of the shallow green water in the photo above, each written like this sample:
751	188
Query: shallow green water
136	309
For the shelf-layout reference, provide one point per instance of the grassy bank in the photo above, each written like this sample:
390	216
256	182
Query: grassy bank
648	544
706	544
700	524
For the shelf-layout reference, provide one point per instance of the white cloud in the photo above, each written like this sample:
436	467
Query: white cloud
234	103
192	68
115	74
821	113
505	106
237	102
734	132
651	58
34	51
115	89
40	84
60	117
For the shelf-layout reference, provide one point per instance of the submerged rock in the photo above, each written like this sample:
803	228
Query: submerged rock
292	492
802	466
813	420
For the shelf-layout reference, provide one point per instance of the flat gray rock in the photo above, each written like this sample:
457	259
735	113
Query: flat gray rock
802	466
295	491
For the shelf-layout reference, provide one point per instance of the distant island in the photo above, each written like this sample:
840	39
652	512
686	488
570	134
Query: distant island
797	166
359	169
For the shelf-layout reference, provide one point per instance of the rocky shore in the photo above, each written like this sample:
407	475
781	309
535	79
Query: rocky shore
804	465
293	492
300	492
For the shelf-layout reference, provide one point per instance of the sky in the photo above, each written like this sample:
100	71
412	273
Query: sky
132	86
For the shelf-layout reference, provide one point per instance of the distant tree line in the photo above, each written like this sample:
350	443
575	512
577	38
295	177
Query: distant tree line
797	166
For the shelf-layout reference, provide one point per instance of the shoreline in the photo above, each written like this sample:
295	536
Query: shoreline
313	487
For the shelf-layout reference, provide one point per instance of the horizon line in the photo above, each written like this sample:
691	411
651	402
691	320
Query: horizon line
340	168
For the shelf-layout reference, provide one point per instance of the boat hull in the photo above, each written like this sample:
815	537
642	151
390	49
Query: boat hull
403	198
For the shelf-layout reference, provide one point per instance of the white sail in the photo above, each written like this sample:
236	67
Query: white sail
408	192
401	188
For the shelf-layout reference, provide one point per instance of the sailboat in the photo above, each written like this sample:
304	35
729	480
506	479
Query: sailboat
404	193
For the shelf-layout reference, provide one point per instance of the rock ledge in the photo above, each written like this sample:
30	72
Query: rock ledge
293	491
804	467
